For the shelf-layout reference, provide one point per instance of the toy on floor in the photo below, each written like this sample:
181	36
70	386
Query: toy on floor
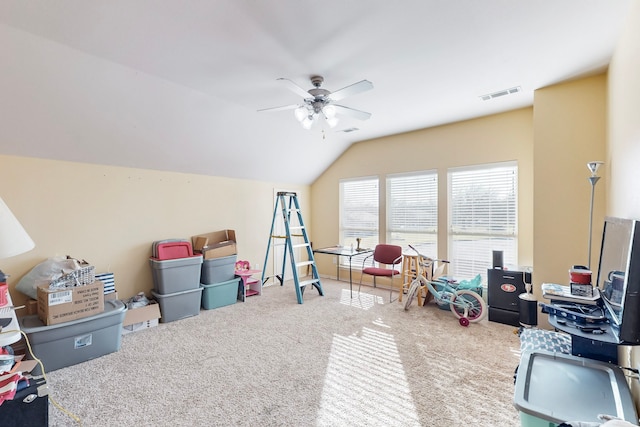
466	305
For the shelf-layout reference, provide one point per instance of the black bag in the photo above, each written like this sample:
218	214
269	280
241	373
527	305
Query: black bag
27	408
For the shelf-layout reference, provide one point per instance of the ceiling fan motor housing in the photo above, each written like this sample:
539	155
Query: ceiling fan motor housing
317	80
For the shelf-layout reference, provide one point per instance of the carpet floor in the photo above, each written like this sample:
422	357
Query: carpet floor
269	361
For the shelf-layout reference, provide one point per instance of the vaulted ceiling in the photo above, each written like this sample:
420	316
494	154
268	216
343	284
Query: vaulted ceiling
177	85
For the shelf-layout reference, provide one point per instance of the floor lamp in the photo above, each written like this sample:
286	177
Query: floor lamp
593	179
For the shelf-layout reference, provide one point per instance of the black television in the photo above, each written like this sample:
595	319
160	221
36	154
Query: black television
619	277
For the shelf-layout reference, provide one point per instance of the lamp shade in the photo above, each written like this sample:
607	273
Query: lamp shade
594	166
14	240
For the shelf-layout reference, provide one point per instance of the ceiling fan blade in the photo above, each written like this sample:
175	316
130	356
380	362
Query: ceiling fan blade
353	89
356	114
284	107
295	88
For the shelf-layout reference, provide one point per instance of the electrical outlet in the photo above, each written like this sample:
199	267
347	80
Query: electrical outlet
257	266
335	259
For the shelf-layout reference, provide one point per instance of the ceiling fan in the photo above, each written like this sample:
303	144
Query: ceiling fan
319	101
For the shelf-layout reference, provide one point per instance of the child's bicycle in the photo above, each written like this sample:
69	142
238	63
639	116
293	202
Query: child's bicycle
466	305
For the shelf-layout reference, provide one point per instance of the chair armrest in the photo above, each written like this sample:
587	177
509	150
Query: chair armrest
364	260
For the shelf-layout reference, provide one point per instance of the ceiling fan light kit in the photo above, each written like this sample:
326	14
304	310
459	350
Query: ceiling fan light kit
321	102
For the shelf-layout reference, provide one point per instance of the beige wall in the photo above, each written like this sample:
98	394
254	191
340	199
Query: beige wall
569	131
501	137
623	151
110	216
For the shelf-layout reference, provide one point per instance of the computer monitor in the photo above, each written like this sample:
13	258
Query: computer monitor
619	277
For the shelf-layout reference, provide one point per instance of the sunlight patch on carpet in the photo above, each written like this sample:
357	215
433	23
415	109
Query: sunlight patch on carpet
365	383
361	300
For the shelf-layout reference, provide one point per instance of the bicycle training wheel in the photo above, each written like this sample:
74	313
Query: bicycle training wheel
471	303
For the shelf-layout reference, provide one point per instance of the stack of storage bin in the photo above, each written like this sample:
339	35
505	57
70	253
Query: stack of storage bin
176	279
218	282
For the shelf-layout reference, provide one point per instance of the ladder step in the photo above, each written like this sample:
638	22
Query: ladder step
296	227
308	282
303	263
301	245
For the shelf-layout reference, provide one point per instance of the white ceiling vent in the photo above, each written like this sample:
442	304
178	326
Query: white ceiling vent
349	130
501	93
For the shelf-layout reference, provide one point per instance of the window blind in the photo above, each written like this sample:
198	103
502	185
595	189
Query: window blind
359	214
412	211
482	217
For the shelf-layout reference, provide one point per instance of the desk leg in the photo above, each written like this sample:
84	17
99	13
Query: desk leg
350	279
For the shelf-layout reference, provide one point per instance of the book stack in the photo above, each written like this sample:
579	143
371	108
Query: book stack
109	282
554	291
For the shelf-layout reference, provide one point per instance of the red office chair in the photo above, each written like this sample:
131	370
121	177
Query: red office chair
388	255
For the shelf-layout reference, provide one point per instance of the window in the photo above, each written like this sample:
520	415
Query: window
412	211
482	217
359	214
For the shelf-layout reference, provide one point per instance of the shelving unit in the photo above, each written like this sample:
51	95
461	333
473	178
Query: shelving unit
250	285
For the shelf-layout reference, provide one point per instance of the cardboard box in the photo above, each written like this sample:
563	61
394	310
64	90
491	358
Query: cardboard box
215	245
63	305
141	318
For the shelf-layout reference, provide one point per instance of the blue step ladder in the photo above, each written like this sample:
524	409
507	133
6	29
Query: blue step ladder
294	229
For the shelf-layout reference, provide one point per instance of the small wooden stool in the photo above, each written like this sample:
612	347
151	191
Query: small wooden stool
410	271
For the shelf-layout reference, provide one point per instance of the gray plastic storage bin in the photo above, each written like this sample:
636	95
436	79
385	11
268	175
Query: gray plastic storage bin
176	275
179	305
552	388
218	270
76	341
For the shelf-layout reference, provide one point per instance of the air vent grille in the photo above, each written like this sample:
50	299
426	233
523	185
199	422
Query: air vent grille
349	130
500	93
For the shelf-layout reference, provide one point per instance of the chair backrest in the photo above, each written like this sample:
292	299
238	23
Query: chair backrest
387	254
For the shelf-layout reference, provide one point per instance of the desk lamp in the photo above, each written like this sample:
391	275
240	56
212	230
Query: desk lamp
14	240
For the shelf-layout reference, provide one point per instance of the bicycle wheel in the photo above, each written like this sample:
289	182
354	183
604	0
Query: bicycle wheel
413	291
472	303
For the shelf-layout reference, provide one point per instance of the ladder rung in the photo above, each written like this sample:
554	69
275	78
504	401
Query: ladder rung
303	263
308	282
301	245
296	227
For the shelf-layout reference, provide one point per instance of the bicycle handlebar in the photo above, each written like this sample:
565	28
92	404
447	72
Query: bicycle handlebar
432	259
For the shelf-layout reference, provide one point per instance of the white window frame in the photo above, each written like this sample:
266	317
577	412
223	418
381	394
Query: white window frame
412	211
487	221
